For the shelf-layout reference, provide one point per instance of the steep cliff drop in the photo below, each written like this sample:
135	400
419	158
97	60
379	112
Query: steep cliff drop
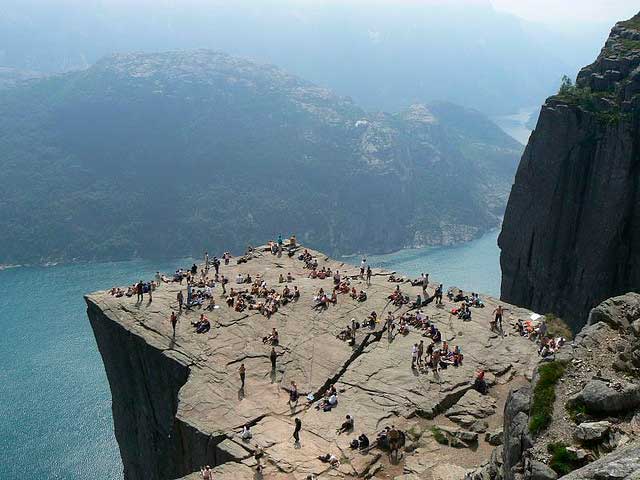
178	402
571	232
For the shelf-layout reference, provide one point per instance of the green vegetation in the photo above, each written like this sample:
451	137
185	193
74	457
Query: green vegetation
414	433
544	395
562	460
556	327
633	23
576	411
439	437
591	101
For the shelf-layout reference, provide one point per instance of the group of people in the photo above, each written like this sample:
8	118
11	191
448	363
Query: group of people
438	355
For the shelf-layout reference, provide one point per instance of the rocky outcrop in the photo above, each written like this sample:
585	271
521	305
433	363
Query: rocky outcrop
571	232
623	464
178	403
594	412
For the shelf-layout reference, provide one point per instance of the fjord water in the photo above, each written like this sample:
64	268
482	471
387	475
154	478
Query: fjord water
55	404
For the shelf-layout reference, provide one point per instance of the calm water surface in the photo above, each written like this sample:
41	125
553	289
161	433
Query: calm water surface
55	405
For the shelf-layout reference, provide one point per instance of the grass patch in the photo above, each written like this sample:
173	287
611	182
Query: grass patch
556	327
576	411
414	433
544	395
562	460
440	437
633	23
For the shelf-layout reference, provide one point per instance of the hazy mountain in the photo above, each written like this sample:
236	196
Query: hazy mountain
386	55
166	154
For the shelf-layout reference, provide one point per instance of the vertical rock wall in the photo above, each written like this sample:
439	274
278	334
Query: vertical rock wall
571	232
145	383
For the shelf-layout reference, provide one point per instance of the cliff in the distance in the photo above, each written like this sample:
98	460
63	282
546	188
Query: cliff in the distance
571	232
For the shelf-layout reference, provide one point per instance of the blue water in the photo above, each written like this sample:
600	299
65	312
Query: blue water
472	266
55	405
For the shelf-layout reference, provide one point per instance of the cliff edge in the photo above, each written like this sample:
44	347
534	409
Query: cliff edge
571	232
178	402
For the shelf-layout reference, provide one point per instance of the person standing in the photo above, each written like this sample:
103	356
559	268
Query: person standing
216	265
139	293
180	299
369	273
242	371
296	431
414	355
420	351
174	321
273	357
206	260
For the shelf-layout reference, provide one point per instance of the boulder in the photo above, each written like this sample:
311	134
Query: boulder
464	435
618	312
592	431
472	404
541	471
479	426
599	398
494	438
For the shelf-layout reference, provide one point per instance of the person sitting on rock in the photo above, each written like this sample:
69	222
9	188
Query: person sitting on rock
246	432
272	338
345	334
346	426
362	296
203	325
363	441
334	298
479	384
372	319
330	459
289	277
336	278
281	278
354	293
457	356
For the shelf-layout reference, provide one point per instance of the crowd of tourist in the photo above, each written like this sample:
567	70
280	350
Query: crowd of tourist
431	353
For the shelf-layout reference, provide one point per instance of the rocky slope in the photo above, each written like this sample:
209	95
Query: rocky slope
145	155
571	232
177	401
594	430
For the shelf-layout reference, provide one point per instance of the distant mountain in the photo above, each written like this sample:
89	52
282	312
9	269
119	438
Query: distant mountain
168	154
385	55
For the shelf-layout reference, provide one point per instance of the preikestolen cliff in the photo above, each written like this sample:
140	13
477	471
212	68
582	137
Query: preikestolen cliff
303	240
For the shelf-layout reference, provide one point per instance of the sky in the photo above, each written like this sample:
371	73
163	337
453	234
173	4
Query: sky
559	12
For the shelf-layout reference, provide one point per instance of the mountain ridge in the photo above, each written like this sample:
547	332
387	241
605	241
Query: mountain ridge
172	153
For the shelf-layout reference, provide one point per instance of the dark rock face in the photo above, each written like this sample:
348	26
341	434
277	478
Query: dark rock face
144	387
571	232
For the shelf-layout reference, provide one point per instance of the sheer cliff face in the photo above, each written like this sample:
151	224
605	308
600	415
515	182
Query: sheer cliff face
571	233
